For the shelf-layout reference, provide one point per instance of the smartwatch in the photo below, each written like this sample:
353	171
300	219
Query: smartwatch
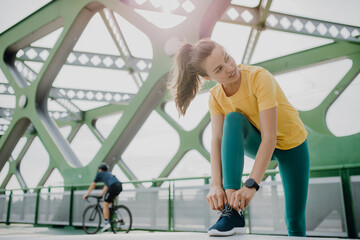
251	183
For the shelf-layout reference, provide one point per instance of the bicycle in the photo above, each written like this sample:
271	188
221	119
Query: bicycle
120	217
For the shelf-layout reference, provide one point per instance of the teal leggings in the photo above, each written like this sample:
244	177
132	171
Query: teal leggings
241	137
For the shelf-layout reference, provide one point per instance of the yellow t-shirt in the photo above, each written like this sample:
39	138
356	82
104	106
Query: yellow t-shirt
259	91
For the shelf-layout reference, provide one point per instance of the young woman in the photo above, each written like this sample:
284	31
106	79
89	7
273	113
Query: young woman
249	115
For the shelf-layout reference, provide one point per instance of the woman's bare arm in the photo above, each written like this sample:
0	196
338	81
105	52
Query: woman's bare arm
216	197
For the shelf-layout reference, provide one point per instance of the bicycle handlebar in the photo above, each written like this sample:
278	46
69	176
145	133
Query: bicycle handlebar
93	196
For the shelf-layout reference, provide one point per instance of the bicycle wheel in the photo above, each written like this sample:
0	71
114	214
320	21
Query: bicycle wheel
121	219
91	219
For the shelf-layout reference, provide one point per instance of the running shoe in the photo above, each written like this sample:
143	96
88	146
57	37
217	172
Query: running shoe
106	227
229	223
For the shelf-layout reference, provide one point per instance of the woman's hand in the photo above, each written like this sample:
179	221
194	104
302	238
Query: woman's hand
216	198
241	198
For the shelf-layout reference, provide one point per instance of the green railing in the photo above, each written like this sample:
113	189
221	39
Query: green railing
344	172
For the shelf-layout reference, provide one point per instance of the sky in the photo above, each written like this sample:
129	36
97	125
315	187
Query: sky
305	88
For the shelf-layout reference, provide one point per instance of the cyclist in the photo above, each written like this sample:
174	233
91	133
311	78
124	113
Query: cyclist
112	189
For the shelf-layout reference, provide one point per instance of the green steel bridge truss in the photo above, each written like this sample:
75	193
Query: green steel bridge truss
31	118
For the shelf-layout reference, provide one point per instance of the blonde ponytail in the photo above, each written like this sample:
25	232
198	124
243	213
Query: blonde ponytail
185	76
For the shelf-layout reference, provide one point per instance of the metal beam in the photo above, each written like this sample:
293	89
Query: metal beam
86	59
129	174
80	94
292	24
255	31
312	27
116	34
91	95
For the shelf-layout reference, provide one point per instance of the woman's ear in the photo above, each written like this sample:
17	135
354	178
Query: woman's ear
207	78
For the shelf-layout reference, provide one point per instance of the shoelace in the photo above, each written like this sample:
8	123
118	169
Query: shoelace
227	211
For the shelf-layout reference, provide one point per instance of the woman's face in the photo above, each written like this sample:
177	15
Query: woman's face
220	67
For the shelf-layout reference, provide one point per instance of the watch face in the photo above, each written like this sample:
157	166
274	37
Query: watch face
249	183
